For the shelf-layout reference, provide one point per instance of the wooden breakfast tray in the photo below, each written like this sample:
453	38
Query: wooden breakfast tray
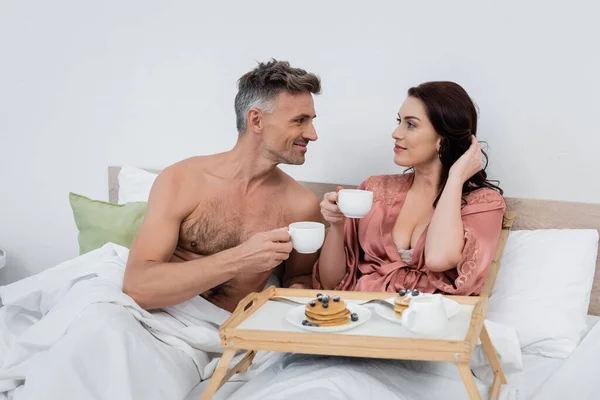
259	324
239	333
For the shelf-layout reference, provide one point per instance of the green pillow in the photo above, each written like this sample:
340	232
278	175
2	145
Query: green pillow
100	222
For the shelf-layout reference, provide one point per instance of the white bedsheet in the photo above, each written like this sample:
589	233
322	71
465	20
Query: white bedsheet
70	332
309	377
300	377
576	377
304	377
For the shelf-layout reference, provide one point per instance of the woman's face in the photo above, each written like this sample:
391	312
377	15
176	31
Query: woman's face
416	141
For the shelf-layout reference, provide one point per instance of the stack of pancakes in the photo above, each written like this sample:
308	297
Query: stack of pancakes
335	314
403	300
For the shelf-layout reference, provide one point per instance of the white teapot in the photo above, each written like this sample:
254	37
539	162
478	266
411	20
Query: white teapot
426	315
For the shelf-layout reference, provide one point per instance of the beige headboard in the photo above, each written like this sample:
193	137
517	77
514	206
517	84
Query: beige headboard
531	214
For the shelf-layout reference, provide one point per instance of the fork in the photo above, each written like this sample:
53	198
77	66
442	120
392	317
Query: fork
294	302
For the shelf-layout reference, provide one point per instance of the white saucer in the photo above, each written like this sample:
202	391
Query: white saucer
296	315
452	308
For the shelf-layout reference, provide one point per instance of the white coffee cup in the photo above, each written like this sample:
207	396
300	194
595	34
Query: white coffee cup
355	203
307	237
426	314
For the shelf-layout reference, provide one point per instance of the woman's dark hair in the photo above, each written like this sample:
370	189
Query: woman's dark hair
454	117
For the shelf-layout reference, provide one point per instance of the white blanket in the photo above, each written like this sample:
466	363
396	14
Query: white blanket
578	376
302	377
70	332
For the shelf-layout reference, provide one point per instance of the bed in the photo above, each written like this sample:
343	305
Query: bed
543	318
543	377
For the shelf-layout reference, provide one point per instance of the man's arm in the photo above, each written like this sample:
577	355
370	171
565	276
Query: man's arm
298	268
150	279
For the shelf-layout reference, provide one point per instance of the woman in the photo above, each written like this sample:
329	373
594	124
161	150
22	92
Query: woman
434	229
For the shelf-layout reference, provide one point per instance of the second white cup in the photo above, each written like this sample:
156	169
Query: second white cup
307	237
355	203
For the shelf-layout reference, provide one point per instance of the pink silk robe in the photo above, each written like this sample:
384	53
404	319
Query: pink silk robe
374	263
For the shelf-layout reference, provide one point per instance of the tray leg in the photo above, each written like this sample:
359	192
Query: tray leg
245	363
490	352
215	380
495	389
241	366
468	380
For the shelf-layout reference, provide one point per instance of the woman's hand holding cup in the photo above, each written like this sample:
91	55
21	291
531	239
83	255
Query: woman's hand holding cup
331	211
345	203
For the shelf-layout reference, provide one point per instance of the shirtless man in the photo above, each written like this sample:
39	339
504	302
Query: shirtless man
217	225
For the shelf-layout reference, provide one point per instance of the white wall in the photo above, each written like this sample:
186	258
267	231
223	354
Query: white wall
84	85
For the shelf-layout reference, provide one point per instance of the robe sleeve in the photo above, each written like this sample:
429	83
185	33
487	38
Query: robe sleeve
482	225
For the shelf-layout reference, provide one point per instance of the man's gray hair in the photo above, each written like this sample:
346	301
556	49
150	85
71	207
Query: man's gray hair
259	87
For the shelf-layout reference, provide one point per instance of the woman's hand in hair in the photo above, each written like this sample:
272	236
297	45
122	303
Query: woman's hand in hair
470	163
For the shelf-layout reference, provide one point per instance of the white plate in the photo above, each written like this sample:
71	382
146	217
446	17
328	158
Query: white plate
452	308
296	315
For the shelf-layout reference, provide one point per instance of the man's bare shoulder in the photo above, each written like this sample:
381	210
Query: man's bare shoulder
178	182
188	172
304	202
192	166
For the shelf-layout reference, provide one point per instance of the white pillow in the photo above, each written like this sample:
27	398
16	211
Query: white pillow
543	288
134	184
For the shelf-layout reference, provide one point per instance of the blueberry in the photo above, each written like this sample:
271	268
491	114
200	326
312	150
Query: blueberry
354	317
319	297
336	298
402	292
325	304
305	323
312	303
415	292
325	297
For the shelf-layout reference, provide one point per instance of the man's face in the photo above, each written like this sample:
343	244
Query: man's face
289	128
